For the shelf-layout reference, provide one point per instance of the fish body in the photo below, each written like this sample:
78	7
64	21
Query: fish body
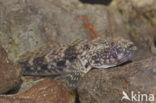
78	57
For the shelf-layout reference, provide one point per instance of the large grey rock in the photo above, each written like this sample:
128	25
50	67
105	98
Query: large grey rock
29	25
107	85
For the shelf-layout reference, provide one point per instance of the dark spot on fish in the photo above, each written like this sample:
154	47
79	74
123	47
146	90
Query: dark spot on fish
71	54
71	59
44	66
94	57
97	61
114	55
61	63
70	51
87	64
27	68
38	61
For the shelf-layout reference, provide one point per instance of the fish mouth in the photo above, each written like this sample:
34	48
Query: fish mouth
125	58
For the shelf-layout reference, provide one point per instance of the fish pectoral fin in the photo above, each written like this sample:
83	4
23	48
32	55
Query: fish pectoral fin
72	79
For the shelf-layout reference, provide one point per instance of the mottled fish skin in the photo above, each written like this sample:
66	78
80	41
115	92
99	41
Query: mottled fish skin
75	59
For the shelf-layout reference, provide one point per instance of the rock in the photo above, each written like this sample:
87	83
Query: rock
10	73
29	25
47	91
107	85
